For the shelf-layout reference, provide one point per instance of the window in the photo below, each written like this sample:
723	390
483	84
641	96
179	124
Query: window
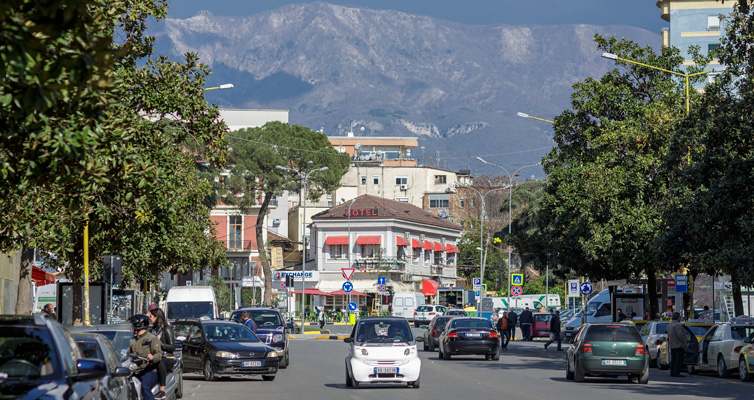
440	179
338	251
402	199
329	201
234	235
712	47
375	179
401	254
417	253
370	250
363	179
439	200
438	258
462	203
713	23
401	180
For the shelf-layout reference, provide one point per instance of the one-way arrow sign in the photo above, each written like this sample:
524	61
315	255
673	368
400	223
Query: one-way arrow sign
348	273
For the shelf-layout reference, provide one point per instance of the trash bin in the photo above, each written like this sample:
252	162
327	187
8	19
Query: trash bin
352	318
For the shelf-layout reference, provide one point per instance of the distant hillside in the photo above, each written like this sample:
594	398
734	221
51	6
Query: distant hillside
456	86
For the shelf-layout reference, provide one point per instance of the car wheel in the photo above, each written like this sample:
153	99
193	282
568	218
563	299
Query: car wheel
415	384
268	378
349	382
426	345
209	374
660	365
644	378
743	372
578	376
285	361
444	355
179	385
722	369
496	356
355	384
569	373
652	362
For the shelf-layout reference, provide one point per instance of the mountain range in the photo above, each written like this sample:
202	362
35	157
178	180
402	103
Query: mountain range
458	87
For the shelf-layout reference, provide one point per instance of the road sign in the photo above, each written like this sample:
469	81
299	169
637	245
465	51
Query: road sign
381	288
516	290
381	280
477	293
352	306
188	283
477	281
283	285
517	279
681	283
573	288
484	287
348	273
347	287
586	288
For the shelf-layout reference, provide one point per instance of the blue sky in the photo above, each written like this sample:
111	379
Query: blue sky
640	13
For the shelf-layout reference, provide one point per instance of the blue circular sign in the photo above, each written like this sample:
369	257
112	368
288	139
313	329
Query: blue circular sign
586	288
347	287
352	306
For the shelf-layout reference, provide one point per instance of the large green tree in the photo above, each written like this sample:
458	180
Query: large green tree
255	179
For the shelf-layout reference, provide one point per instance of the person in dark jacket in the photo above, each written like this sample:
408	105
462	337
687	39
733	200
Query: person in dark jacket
502	329
677	344
512	321
526	319
164	332
147	345
554	330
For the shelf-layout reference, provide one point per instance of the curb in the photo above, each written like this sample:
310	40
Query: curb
332	337
317	332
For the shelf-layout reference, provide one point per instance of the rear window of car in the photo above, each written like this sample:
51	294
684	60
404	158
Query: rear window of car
441	322
471	323
424	309
612	333
661	329
698	330
542	317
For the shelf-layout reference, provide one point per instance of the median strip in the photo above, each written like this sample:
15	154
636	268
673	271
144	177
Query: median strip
332	337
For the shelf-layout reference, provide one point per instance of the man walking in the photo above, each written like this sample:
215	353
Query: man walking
320	317
554	330
512	321
526	319
677	344
502	328
246	319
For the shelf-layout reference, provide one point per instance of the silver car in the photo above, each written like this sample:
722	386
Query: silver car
424	314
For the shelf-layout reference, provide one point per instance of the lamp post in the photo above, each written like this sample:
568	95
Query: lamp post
303	177
481	236
614	57
525	115
510	215
349	252
221	87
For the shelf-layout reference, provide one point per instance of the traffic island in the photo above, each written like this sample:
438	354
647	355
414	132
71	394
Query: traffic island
332	337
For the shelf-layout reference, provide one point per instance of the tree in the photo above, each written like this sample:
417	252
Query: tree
254	178
469	256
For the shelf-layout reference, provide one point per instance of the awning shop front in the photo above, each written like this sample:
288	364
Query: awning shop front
429	287
400	242
369	240
439	248
416	244
427	245
336	240
451	248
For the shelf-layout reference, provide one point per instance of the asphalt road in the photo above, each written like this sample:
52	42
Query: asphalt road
527	371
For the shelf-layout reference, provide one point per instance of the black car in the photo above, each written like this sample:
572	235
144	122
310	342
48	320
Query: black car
271	329
469	335
434	329
224	348
39	359
116	381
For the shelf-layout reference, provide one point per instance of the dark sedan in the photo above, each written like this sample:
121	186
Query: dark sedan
221	348
116	381
435	328
469	335
271	328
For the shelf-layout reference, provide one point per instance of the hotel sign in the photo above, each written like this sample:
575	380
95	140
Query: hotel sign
368	212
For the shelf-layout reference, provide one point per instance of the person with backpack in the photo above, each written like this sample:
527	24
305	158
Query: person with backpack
502	329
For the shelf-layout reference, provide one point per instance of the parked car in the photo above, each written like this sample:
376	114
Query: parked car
690	356
39	359
116	380
541	325
382	350
224	348
746	361
456	312
434	329
271	328
721	346
651	332
469	335
425	313
607	349
405	303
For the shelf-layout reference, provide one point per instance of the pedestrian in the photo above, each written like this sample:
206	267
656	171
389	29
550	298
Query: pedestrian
647	315
620	316
502	329
554	330
512	320
707	314
246	320
677	344
49	310
633	315
526	320
669	313
320	317
145	345
164	332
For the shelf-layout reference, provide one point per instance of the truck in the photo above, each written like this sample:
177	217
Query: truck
533	301
191	302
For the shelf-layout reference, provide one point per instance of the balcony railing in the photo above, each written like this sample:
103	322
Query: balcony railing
391	264
243	245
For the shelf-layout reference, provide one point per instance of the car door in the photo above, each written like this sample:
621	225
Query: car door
192	348
691	355
398	309
714	346
705	346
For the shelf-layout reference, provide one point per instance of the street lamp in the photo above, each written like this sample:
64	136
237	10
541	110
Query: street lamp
481	236
221	87
525	115
510	216
303	177
349	250
614	57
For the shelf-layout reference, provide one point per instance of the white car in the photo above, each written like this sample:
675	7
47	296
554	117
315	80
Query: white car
424	314
651	332
382	350
721	346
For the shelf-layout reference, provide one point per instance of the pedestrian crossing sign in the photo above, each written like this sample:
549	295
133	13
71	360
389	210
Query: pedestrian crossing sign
517	279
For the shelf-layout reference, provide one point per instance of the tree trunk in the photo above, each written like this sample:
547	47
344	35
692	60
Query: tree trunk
23	299
262	248
738	301
654	307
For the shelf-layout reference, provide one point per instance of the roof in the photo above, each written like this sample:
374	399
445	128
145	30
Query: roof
277	238
385	209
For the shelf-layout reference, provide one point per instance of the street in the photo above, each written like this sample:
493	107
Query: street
527	371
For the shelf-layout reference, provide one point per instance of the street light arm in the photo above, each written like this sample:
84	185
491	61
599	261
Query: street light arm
525	115
221	87
614	57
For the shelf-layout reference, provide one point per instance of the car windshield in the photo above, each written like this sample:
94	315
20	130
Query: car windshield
424	309
383	331
612	333
698	330
471	323
266	318
741	332
229	333
27	353
189	309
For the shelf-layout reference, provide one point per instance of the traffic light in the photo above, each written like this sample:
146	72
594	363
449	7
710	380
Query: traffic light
112	267
289	281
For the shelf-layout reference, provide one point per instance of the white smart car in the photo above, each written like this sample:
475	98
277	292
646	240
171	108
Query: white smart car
382	350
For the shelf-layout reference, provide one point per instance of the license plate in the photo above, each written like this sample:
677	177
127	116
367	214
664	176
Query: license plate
473	335
251	363
386	370
613	362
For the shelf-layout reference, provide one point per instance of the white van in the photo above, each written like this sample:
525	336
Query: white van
405	303
190	302
597	310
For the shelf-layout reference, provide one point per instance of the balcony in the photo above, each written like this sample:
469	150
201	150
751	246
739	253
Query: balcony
239	245
387	264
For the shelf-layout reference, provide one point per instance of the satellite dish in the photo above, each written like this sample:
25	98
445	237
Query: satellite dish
357	146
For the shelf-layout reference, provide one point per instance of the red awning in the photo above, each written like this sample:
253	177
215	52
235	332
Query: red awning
451	248
416	244
313	291
334	240
369	240
41	277
342	293
429	287
400	242
438	247
427	245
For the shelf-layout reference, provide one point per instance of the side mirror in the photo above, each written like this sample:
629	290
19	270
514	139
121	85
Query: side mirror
419	338
122	371
195	340
747	339
89	369
348	340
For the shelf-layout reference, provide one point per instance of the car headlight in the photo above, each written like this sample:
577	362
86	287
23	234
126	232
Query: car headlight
226	354
360	351
272	354
277	337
